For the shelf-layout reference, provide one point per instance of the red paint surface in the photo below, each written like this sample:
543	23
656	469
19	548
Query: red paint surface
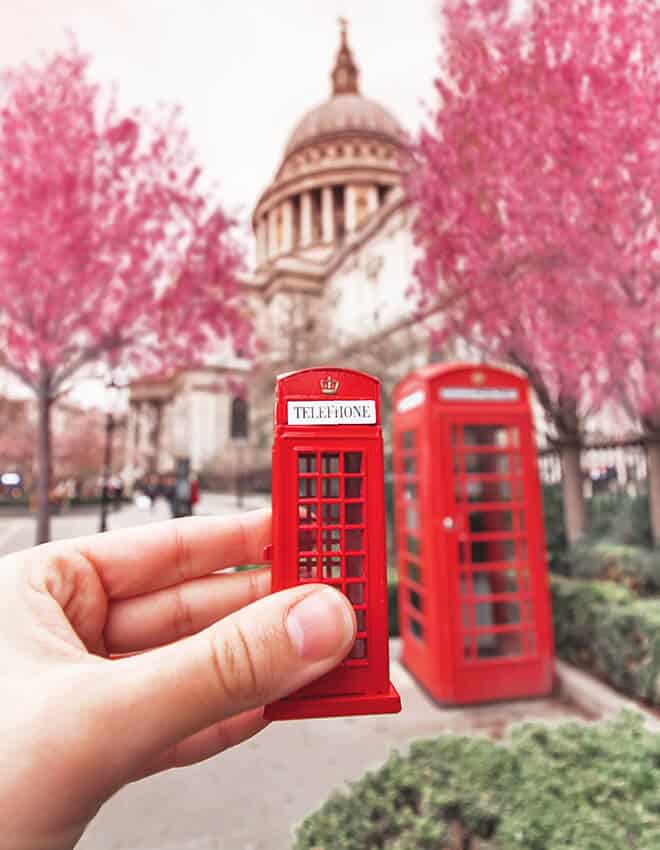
329	527
474	606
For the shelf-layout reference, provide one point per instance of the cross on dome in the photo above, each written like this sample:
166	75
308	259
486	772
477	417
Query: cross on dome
345	74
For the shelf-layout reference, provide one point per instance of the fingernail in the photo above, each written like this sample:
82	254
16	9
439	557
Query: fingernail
321	625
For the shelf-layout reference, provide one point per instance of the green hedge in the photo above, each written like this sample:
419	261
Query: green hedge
574	787
635	567
605	629
616	517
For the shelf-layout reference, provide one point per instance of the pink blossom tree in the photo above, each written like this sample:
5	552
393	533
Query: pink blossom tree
536	188
111	251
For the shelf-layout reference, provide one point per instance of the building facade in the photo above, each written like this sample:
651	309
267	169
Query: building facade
334	259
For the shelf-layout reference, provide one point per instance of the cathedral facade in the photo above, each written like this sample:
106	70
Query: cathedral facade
334	260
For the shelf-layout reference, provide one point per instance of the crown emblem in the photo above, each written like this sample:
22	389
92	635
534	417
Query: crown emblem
329	385
478	378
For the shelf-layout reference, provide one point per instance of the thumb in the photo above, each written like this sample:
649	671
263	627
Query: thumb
252	657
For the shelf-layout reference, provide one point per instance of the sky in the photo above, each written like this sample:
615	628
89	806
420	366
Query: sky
244	71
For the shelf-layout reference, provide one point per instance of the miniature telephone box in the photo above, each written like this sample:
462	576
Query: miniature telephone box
329	527
474	606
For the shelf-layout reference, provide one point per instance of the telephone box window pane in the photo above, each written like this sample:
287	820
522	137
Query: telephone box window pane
415	599
330	513
490	435
410	465
331	539
354	540
306	539
354	513
488	491
412	517
416	628
353	488
481	583
355	593
306	463
505	581
353	462
412	545
307	488
354	566
500	644
306	568
408	440
359	649
330	488
490	551
361	618
332	566
482	521
487	464
329	463
306	514
497	613
414	573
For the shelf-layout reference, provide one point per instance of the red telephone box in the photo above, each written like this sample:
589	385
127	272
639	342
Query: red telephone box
474	606
329	527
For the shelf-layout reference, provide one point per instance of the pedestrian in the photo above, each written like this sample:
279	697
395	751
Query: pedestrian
99	688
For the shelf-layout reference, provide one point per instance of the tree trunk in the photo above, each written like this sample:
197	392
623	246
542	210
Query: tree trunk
652	445
43	459
572	490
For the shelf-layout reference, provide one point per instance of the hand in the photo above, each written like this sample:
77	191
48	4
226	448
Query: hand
76	724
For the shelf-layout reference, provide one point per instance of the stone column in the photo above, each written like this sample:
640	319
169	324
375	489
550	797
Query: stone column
262	241
287	227
372	199
273	247
305	219
350	209
327	215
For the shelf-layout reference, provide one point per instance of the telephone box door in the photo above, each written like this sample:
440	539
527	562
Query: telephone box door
491	548
328	538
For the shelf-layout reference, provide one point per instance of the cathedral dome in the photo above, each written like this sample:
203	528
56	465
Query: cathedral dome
343	114
339	166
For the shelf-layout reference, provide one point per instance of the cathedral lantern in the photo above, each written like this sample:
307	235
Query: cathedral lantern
474	606
329	527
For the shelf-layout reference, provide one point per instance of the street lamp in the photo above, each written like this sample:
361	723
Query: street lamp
112	397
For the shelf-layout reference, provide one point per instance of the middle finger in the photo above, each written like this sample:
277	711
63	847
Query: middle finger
157	618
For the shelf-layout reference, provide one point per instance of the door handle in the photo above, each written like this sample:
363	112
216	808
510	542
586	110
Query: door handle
448	523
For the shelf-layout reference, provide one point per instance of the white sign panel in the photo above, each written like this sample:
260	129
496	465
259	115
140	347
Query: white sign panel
360	412
411	401
479	394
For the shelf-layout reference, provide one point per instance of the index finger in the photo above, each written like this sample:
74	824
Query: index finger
137	560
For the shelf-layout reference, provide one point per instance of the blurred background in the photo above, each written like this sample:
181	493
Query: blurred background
195	198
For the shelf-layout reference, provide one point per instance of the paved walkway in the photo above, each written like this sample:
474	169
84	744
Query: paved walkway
251	797
18	532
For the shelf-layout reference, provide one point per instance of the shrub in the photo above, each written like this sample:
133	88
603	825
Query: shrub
635	567
620	517
574	786
605	629
610	516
